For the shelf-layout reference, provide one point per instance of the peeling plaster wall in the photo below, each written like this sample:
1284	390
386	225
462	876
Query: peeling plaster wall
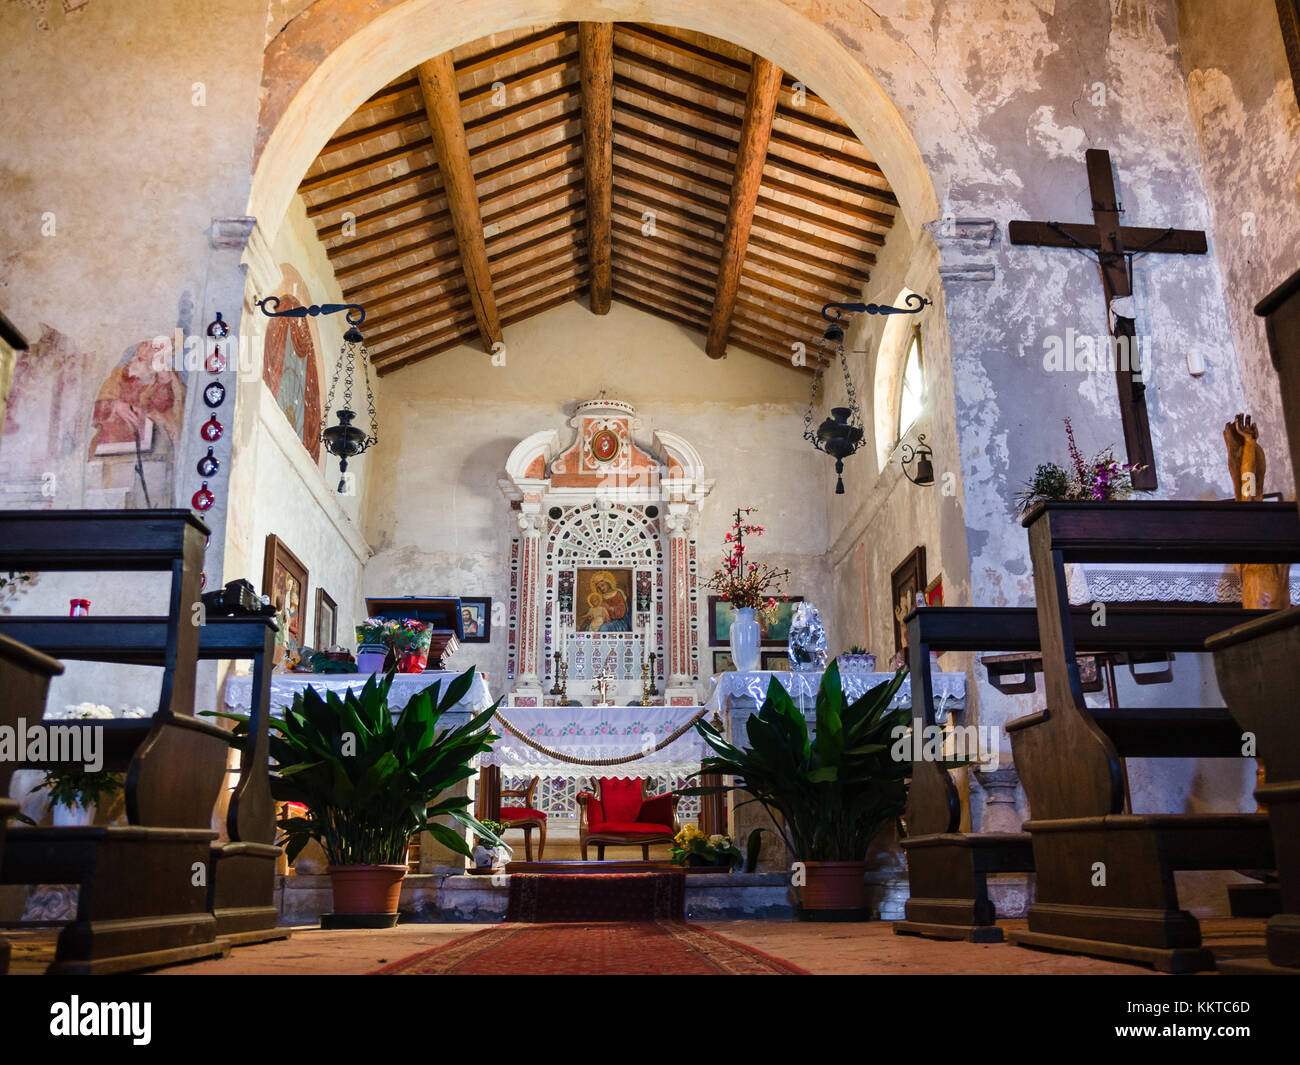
439	526
279	488
1244	105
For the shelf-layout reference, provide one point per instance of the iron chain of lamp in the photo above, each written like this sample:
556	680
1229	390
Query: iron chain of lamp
344	440
842	434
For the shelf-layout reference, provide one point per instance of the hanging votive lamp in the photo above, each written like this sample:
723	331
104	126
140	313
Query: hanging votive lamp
344	440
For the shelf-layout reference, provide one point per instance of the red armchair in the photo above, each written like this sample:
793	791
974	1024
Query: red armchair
525	817
622	815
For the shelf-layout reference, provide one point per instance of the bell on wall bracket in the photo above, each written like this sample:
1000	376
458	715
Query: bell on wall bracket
344	440
842	433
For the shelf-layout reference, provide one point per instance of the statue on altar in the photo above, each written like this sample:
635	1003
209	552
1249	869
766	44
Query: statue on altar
1263	586
607	600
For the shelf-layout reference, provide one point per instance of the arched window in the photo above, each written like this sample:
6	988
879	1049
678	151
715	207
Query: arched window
911	400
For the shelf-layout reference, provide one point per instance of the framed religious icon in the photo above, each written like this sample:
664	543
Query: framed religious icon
906	583
284	580
775	662
722	662
327	621
476	619
603	600
772	633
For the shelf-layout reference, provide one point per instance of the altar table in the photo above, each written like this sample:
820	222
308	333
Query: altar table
597	732
284	686
743	693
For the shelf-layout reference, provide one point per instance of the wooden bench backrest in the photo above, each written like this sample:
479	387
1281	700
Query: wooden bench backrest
1068	764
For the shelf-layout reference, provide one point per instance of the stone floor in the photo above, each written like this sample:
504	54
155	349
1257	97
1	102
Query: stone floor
867	948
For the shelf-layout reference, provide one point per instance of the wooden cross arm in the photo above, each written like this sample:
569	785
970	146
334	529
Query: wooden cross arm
1133	238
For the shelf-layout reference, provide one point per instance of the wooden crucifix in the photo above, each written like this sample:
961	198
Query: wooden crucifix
1114	244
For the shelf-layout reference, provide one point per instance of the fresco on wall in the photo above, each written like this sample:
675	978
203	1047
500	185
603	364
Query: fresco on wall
290	370
135	421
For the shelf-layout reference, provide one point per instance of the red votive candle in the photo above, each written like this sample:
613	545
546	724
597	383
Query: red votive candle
80	608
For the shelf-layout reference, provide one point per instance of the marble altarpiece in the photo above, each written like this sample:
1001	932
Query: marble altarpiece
603	562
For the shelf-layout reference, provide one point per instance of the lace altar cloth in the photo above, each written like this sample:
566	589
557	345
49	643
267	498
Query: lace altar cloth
597	732
284	686
745	692
1162	583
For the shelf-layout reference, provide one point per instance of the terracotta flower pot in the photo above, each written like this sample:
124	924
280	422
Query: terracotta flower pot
835	891
368	889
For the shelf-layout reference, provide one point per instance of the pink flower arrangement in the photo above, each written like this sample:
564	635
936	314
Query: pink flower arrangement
745	584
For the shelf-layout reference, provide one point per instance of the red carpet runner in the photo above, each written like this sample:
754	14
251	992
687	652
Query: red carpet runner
627	948
545	897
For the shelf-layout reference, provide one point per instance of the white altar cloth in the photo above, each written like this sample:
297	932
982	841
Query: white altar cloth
284	686
597	732
745	692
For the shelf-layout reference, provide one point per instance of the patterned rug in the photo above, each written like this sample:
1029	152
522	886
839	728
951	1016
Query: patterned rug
550	897
615	948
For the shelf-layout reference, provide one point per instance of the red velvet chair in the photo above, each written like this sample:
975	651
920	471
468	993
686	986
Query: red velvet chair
622	815
526	817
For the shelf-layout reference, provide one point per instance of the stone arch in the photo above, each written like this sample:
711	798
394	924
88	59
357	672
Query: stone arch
333	55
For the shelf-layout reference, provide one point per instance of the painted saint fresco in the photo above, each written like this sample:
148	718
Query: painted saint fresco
289	368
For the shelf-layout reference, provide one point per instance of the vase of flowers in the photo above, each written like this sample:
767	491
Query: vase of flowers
1102	478
694	848
410	640
76	794
372	645
753	590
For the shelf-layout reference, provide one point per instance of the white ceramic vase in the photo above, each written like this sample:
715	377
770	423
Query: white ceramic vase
745	640
72	816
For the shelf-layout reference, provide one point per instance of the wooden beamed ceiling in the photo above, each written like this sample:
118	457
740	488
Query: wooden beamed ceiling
663	169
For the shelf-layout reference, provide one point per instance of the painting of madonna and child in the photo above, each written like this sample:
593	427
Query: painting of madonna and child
604	600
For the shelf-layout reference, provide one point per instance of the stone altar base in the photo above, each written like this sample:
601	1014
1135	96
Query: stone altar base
444	897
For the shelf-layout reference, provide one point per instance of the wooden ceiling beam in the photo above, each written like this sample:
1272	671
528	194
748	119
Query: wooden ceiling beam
545	69
433	308
404	120
628	268
846	285
442	101
364	166
507	256
563	169
433	242
453	339
424	339
721	166
450	280
751	155
560	192
349	199
651	259
561	214
350	247
429	198
545	151
531	42
499	116
596	52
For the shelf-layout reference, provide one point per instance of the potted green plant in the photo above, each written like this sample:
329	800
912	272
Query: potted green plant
372	645
827	794
410	639
488	853
369	782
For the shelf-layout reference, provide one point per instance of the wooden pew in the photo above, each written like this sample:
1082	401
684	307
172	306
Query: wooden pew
241	872
1258	665
24	681
143	901
948	869
1105	876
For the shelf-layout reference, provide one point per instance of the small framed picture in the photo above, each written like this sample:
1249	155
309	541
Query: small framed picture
284	580
775	661
722	662
476	619
906	583
327	621
772	633
934	592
